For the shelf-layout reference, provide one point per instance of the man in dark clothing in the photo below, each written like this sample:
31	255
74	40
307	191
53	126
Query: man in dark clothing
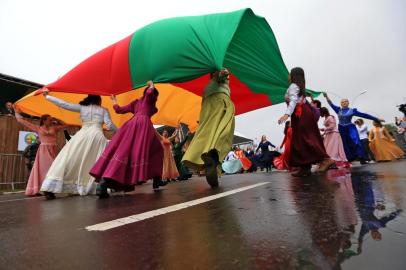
8	109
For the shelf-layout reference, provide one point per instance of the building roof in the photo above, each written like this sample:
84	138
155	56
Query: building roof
13	88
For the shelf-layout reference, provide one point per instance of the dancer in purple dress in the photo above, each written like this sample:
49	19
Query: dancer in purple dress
135	153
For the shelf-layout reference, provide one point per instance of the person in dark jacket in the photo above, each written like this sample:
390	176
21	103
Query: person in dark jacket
30	152
177	151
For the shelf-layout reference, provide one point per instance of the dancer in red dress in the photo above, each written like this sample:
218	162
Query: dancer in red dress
307	146
282	162
246	163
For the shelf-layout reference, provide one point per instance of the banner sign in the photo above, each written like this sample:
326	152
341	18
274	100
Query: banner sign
26	138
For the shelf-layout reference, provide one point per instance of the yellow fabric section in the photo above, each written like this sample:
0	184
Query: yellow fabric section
175	105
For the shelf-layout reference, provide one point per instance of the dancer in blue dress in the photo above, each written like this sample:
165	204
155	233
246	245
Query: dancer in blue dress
353	147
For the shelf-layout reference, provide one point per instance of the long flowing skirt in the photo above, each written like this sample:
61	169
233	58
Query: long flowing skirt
246	163
282	162
232	166
266	159
215	131
69	173
183	171
352	144
335	149
307	146
43	161
169	170
133	156
385	150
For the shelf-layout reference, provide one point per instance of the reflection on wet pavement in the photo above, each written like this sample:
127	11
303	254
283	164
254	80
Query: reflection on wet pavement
345	219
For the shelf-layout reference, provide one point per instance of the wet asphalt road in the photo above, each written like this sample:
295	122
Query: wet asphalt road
345	219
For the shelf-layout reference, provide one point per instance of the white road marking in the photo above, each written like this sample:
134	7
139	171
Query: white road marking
162	211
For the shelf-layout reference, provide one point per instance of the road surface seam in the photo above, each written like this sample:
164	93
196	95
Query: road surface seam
108	225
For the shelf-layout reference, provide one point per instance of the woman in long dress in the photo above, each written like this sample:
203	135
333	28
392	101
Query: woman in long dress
69	173
332	139
307	146
46	153
214	136
246	163
282	162
250	154
232	164
266	157
382	144
169	170
353	147
135	154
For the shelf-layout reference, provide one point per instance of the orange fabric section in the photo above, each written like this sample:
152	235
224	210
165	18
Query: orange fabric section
175	105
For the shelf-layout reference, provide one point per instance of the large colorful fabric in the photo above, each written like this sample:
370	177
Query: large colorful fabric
178	54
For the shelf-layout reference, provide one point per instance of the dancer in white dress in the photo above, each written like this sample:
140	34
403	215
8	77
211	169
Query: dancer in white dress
69	173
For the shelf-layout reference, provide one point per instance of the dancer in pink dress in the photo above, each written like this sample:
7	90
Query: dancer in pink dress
135	153
46	153
169	171
332	139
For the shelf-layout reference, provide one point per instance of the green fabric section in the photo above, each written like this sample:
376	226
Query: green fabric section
185	48
254	58
312	93
181	49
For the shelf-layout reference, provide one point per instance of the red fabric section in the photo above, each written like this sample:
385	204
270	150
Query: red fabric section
104	73
244	99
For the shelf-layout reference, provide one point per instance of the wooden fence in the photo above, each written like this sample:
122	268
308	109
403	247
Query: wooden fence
13	172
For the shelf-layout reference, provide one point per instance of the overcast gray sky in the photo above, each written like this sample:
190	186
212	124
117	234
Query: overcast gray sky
345	46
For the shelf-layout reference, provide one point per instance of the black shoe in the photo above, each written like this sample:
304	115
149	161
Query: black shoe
157	182
210	166
49	195
101	190
214	154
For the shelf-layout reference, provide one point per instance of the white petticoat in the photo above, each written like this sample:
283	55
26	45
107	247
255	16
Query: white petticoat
69	173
